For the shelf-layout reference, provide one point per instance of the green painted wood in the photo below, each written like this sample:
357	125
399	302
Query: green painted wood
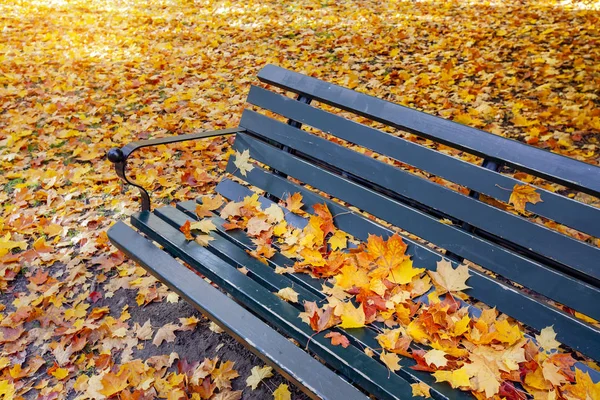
566	171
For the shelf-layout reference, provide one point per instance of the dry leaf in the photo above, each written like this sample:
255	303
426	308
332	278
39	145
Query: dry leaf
165	333
523	194
288	294
420	389
257	374
546	339
337	339
282	393
242	162
390	360
450	279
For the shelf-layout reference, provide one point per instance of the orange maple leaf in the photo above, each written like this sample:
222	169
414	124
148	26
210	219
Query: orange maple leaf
294	203
337	339
523	194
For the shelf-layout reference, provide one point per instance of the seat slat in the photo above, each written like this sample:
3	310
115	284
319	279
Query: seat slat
237	192
554	167
573	253
352	362
297	366
559	208
267	276
488	290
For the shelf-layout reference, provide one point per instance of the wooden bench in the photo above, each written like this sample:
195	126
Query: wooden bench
548	267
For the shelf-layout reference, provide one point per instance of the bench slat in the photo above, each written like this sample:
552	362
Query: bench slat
575	254
353	363
554	167
274	282
488	290
295	364
559	208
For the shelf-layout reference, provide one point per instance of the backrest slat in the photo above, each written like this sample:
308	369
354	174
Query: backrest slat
575	254
554	167
559	208
531	274
493	292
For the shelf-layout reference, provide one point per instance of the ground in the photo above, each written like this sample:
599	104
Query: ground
80	77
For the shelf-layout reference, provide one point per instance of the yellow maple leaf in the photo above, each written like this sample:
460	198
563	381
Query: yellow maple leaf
417	332
352	317
552	373
450	279
436	357
242	162
274	214
536	380
257	374
485	376
113	383
456	378
7	390
507	333
338	240
282	393
294	203
288	294
523	194
223	375
205	225
60	373
350	276
390	360
546	339
420	389
404	272
312	257
461	326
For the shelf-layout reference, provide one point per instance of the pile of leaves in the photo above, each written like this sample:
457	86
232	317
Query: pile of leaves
376	281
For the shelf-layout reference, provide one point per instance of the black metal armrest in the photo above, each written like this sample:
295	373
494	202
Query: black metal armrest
119	156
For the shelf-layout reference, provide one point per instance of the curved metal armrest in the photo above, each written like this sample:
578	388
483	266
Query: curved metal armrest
119	156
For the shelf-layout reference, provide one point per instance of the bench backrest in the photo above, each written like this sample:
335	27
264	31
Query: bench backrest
403	185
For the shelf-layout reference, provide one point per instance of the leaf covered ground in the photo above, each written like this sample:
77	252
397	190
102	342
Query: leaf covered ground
79	77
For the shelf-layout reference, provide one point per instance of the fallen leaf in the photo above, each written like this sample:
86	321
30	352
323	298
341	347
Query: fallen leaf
436	357
288	294
165	333
456	378
352	317
257	374
205	225
294	203
215	328
420	389
337	339
523	194
390	360
242	162
546	339
282	393
450	279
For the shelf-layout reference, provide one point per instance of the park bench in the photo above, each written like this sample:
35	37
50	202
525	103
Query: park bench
547	266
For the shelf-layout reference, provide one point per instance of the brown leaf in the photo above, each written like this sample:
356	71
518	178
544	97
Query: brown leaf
337	339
